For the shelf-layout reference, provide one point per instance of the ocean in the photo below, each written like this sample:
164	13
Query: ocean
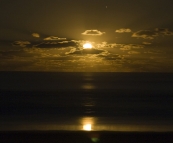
133	102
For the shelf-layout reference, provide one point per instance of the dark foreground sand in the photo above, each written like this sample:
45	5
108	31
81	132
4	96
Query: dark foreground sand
84	137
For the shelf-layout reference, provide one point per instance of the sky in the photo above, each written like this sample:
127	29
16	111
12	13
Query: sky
127	36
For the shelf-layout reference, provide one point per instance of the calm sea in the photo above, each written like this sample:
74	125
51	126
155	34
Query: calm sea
86	101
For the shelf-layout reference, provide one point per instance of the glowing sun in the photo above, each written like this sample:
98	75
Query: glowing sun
87	46
87	127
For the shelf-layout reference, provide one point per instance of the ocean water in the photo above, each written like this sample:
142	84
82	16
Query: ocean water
86	101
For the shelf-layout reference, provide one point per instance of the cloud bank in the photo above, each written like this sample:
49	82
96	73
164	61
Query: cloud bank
151	34
21	43
54	38
55	44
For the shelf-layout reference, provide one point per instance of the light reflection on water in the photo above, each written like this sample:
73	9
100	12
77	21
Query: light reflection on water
89	124
94	103
88	82
123	128
88	86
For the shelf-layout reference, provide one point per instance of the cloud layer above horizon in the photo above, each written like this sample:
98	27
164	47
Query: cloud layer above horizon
54	53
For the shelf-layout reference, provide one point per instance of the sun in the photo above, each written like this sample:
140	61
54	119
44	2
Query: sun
87	46
87	127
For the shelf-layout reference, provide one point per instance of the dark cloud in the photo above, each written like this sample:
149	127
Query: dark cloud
164	31
48	44
93	33
42	52
21	43
56	44
92	51
8	54
16	65
69	55
112	57
123	30
54	38
145	34
151	34
130	46
85	51
63	42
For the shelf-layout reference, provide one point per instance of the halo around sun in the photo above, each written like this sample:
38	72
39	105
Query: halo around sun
87	46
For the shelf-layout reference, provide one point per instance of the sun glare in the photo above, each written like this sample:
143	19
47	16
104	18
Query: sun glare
87	46
87	127
87	123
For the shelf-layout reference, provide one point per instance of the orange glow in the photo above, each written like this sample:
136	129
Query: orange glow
87	123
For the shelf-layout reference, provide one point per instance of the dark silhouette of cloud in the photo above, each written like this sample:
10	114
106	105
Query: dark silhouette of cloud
49	42
54	38
111	56
164	31
93	33
130	46
56	44
145	34
63	42
21	43
85	51
151	34
92	51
